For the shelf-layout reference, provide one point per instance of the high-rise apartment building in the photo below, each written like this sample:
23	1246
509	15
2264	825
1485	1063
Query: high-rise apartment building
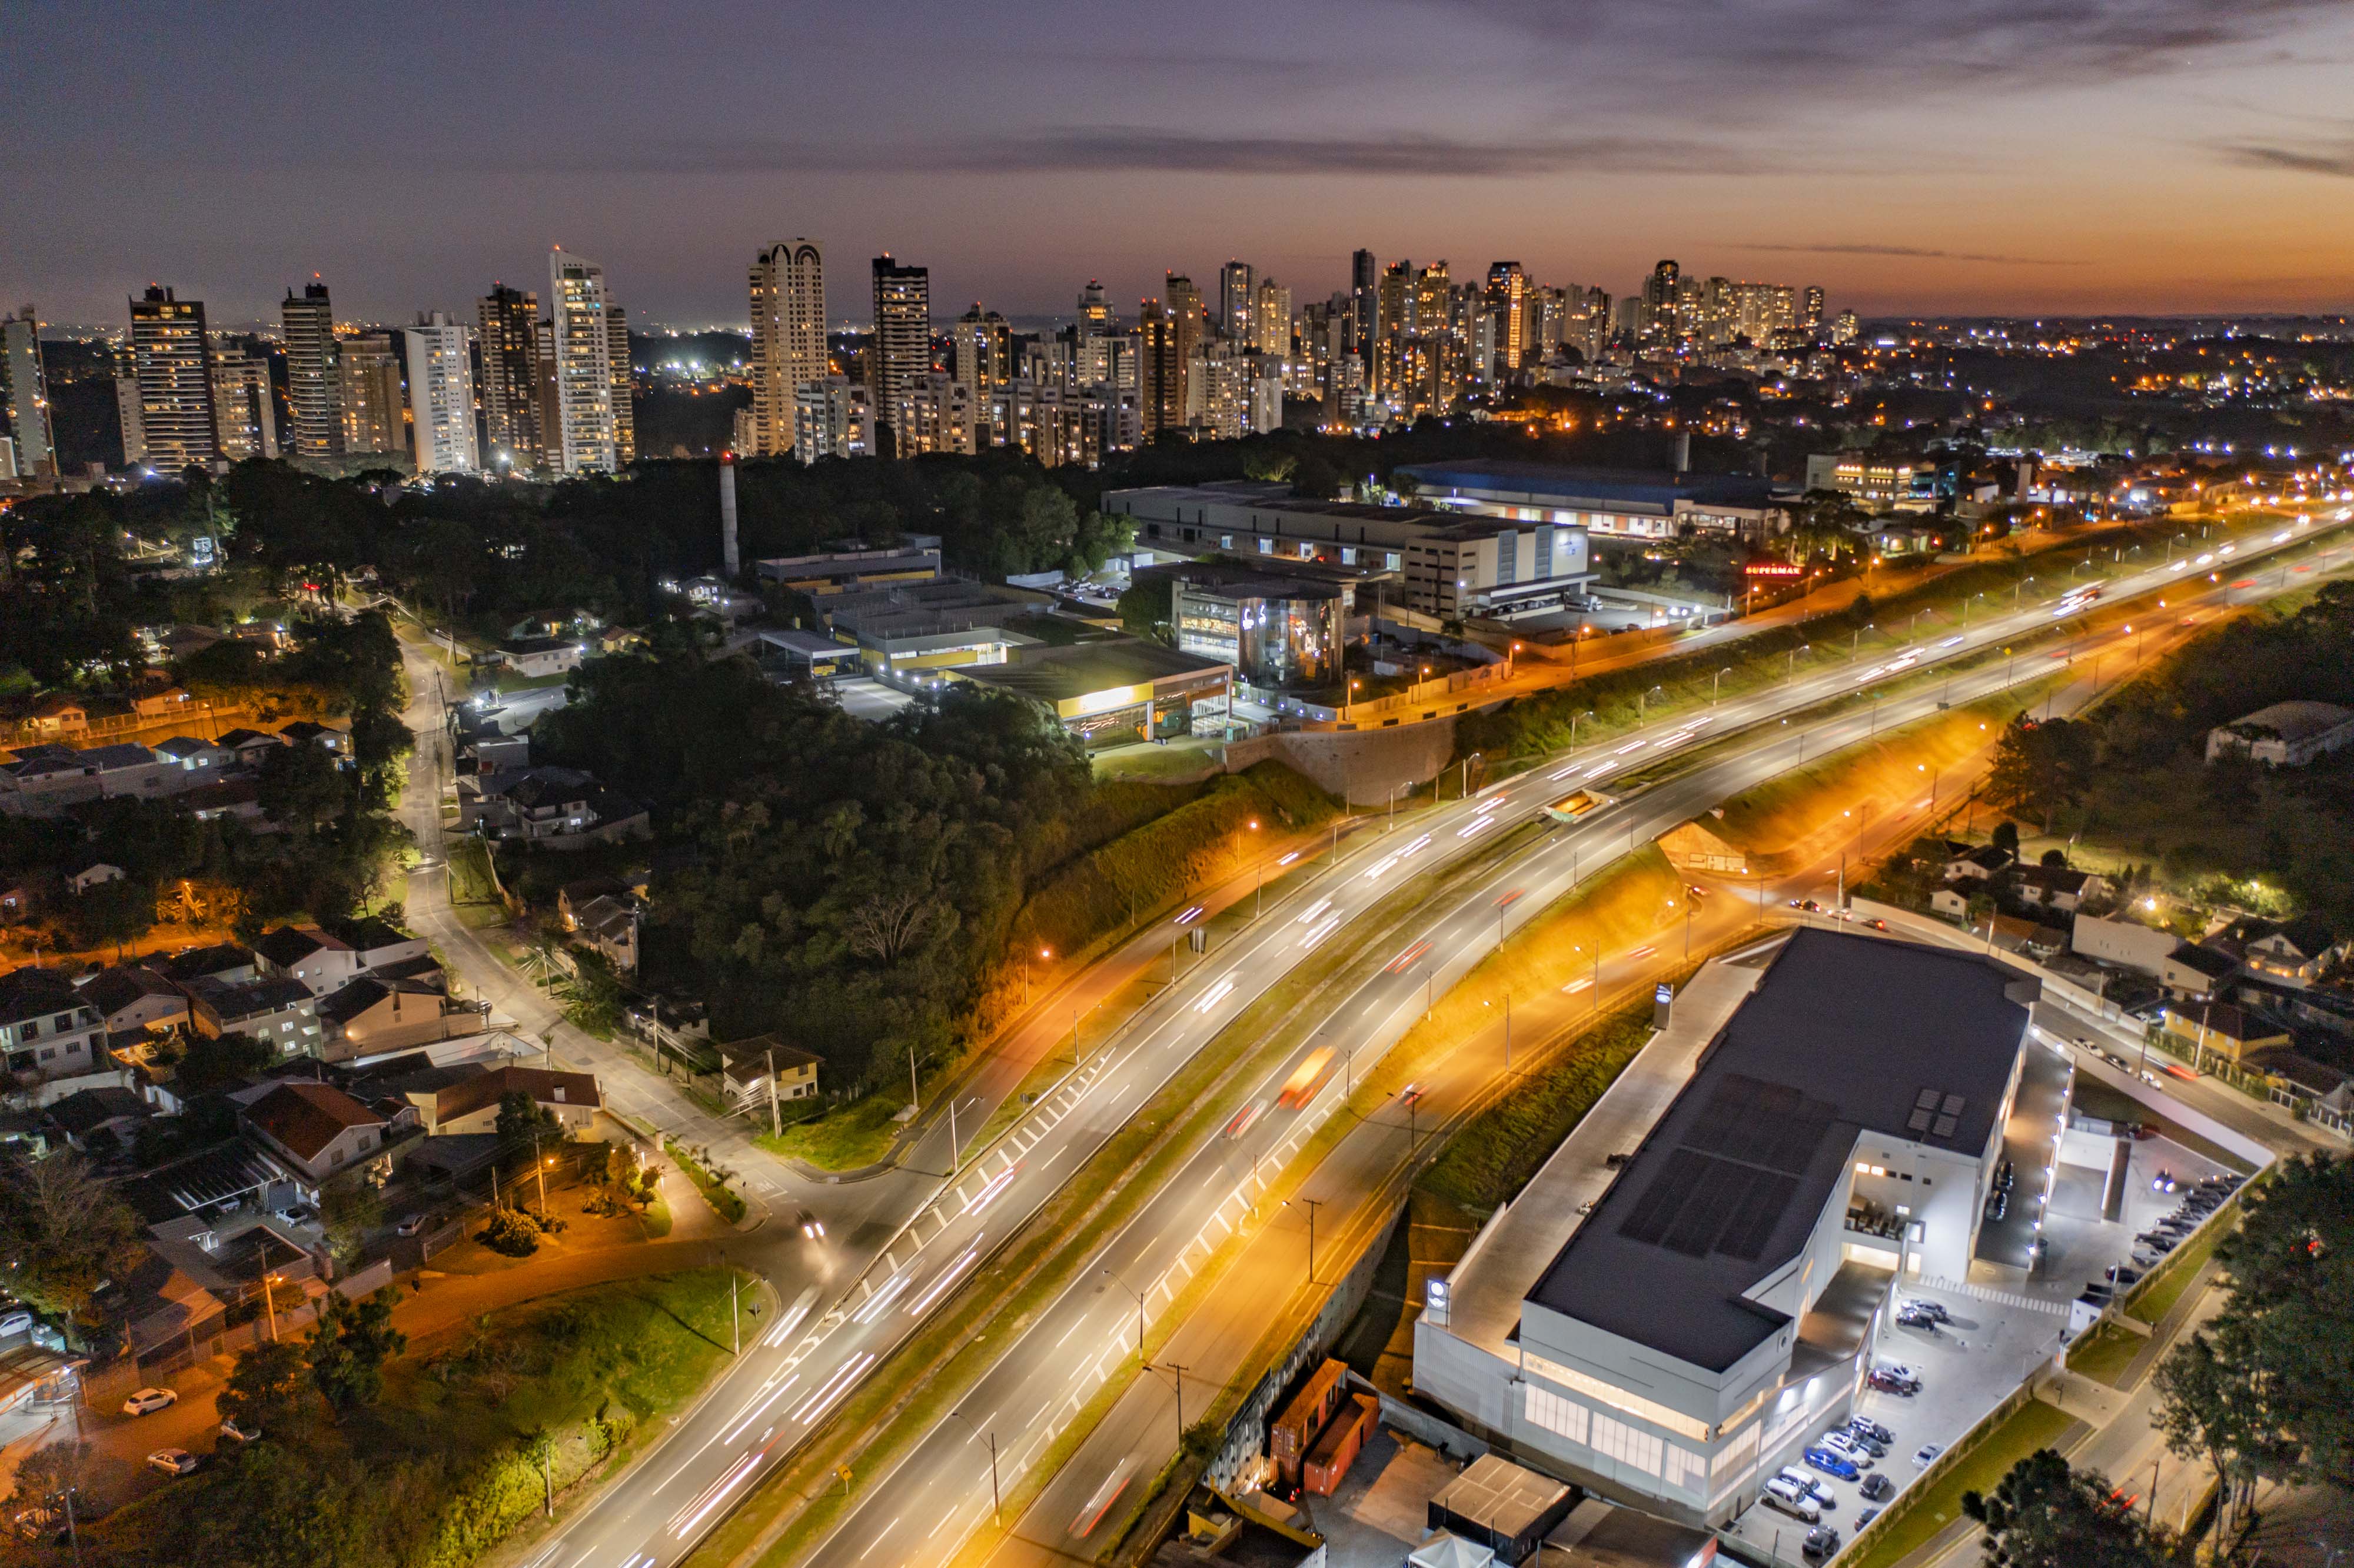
1095	311
787	284
981	346
1659	292
1236	301
935	413
172	369
583	438
831	417
367	367
25	395
245	409
1160	371
441	395
1508	288
1845	327
1363	285
508	319
1393	325
625	401
900	348
1810	315
1271	318
314	388
1189	316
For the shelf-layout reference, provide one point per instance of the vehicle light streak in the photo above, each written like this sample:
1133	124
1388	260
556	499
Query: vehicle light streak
946	1276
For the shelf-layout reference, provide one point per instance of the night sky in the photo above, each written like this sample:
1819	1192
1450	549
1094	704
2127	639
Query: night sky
1933	155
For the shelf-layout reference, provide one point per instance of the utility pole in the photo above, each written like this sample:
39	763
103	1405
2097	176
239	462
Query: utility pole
268	1300
1131	1289
775	1118
914	1095
1311	1205
734	1317
1180	1372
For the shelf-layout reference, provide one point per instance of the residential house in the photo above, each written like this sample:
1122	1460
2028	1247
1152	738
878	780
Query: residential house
454	1101
98	1120
375	943
320	962
92	873
2123	942
249	746
1976	863
47	1029
221	962
2059	887
555	808
169	702
195	754
2296	950
1952	903
317	1129
2192	972
127	768
43	780
58	714
327	737
609	923
2286	735
371	1014
748	1067
2035	940
226	799
2232	1033
132	997
533	657
280	1011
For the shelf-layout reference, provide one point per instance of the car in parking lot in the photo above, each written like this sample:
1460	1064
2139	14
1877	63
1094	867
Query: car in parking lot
1833	1464
1864	1440
1820	1542
1783	1498
1871	1428
1913	1318
149	1399
1998	1205
17	1322
1848	1447
172	1461
1924	1454
1866	1517
1814	1486
1893	1380
2123	1274
1876	1486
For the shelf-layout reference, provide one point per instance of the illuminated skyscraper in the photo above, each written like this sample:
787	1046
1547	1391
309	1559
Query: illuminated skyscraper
508	319
440	396
174	372
368	367
1161	403
245	409
1363	285
1190	320
314	388
1660	301
1508	288
788	283
585	439
1810	315
1095	311
25	394
900	348
1271	318
983	343
1236	304
625	402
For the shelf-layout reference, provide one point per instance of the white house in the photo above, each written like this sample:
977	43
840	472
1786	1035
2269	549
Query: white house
2286	735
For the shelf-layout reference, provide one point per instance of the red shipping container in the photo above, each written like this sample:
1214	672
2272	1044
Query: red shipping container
1334	1452
1293	1432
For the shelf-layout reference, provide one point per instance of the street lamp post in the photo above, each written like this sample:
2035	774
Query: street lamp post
996	1505
1791	674
1573	726
1311	1205
1715	682
1132	1290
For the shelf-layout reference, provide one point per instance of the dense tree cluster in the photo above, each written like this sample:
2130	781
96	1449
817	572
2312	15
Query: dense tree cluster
2043	1514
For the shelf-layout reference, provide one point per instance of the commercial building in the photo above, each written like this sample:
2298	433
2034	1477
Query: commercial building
584	439
171	373
508	319
1693	1286
313	379
899	352
441	395
1628	504
25	395
916	558
1276	631
906	626
787	289
1465	566
1876	485
1114	692
2286	735
374	419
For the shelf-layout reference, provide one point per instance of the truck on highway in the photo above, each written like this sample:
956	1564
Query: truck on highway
1579	805
1305	1080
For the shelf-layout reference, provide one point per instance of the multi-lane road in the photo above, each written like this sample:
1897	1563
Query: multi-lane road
826	1339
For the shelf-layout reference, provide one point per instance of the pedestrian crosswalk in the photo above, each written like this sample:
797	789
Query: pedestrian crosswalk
1999	1297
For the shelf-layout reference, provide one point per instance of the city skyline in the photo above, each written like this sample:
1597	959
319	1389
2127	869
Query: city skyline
2150	157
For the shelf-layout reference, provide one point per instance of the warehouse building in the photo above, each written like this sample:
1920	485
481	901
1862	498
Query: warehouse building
1626	504
1693	1286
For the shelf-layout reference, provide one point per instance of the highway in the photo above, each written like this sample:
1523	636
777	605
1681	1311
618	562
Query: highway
826	1339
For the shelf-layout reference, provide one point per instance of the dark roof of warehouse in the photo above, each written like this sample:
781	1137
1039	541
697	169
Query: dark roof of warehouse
1058	674
1661	488
1847	1034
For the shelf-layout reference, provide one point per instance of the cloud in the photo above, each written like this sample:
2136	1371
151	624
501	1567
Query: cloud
1914	251
1106	149
2334	158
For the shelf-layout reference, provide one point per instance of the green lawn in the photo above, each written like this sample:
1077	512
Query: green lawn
469	873
2105	1354
2033	1425
843	1139
1496	1153
2165	1287
1177	760
725	1201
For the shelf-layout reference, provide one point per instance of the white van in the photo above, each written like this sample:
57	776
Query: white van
1781	1495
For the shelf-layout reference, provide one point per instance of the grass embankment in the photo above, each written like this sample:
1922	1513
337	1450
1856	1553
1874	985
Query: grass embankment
1833	798
448	1450
470	873
2103	1354
724	1201
2174	1276
2032	1426
885	1415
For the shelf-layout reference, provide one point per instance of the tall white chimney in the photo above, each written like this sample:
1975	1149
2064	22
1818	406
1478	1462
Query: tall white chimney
728	515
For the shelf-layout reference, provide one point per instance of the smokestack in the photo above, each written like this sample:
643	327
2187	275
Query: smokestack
1683	452
728	515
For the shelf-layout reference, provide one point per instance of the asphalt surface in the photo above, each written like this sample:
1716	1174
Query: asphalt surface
845	1302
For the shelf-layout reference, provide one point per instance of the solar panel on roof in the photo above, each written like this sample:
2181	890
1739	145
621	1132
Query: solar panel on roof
1751	1225
1655	1211
1953	1105
1945	1127
1925	1100
1917	1122
1722	1187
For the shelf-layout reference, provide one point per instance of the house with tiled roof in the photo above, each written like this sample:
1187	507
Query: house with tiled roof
316	1129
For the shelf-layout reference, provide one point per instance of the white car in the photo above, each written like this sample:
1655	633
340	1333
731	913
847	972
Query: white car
16	1323
149	1399
1848	1449
172	1461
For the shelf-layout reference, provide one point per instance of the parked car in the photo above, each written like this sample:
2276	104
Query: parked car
237	1431
1866	1517
1822	1540
1867	1442
2005	1176
1931	1309
1871	1428
298	1213
2123	1274
1998	1205
1814	1486
1913	1318
1924	1454
150	1399
1877	1486
172	1461
414	1226
1888	1381
1831	1464
1848	1447
1783	1498
16	1323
